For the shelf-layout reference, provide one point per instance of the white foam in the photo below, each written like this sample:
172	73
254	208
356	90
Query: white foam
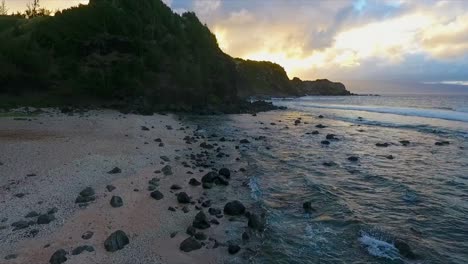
406	111
379	248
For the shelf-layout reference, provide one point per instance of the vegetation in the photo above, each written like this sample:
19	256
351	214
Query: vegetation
134	54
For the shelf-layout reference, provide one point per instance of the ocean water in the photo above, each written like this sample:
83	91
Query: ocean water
360	208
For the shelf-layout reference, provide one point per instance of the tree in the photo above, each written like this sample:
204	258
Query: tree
3	9
34	10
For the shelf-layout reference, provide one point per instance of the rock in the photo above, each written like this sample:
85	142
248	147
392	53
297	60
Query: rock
175	187
116	241
329	163
308	207
206	146
20	225
194	182
110	188
144	128
201	221
190	244
165	158
214	211
11	256
183	197
389	157
404	142
87	235
233	249
31	214
331	137
206	203
353	158
173	234
88	191
170	208
115	170
221	180
234	208
404	249
320	126
245	236
81	199
157	195
210	177
45	219
52	210
60	256
167	170
382	145
442	143
320	116
191	231
81	249
116	201
214	222
225	172
31	175
200	236
325	142
185	209
256	222
207	185
244	141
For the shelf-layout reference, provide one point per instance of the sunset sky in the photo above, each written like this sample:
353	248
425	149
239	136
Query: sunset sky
419	40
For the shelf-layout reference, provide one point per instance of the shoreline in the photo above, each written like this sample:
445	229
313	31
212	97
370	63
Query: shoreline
63	154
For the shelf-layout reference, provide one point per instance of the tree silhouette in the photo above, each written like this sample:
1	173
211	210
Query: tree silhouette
34	10
3	9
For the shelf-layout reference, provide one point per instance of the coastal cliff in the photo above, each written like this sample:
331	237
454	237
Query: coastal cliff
134	55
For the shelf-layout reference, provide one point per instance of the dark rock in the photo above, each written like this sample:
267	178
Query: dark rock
210	177
173	234
201	221
167	170
31	214
206	145
20	225
233	249
221	180
245	236
88	191
116	201
214	211
157	195
320	126
389	157
214	222
225	172
11	256
52	210
331	137
325	142
329	163
404	249
200	236
87	235
20	195
110	188
175	187
234	208
206	203
45	219
256	222
170	208
60	256
308	207
183	197
165	158
31	175
194	182
320	116
442	143
353	158
116	241
244	141
190	244
185	209
191	231
81	249
115	170
382	145
404	142
207	185
81	199
144	128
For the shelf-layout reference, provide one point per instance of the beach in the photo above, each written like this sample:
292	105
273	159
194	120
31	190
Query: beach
47	159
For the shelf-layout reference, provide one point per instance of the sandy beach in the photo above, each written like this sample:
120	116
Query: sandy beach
48	159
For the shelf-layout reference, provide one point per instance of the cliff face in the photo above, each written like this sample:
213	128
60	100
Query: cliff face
266	79
319	87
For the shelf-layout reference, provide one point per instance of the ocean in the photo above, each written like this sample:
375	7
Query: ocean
410	189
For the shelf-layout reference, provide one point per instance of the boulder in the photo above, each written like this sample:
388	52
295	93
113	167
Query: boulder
183	197
190	244
157	195
45	219
116	241
60	256
234	208
81	249
201	221
116	201
225	172
233	249
115	170
194	182
210	177
167	170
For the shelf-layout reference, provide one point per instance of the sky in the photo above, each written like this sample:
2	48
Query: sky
405	40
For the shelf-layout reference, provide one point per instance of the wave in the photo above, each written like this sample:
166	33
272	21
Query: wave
406	111
379	247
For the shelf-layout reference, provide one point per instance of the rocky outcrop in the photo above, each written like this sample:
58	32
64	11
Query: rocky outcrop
319	87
